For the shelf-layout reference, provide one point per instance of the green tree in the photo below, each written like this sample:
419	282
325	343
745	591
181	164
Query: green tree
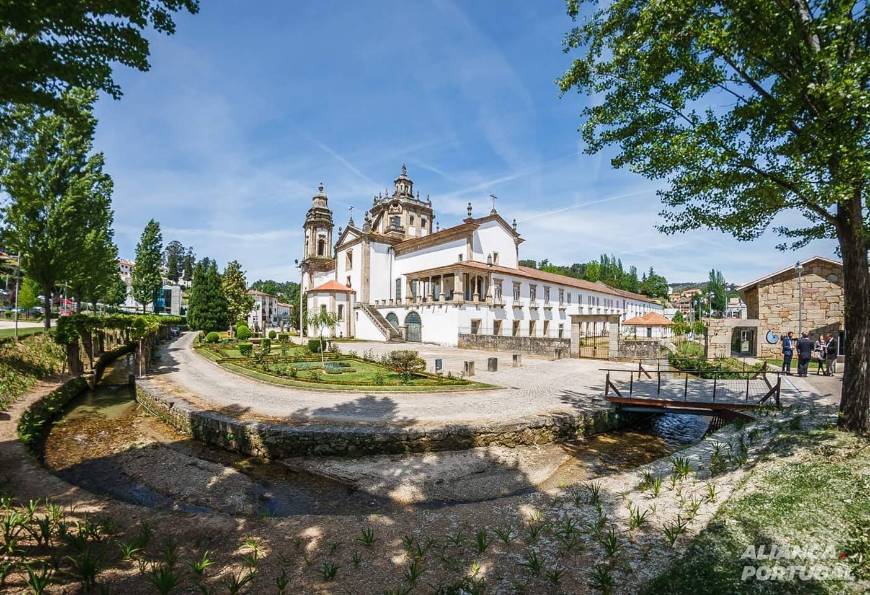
115	292
593	272
716	287
207	306
745	110
654	285
235	287
53	182
406	363
46	48
173	258
322	320
189	264
28	294
147	278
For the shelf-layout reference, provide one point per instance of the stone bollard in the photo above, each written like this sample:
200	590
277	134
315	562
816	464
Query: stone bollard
518	360
468	368
492	364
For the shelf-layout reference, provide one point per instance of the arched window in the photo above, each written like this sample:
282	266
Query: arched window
321	247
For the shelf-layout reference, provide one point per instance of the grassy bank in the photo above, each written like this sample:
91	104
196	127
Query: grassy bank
22	364
813	489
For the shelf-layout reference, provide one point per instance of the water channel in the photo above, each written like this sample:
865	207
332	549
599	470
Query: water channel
108	445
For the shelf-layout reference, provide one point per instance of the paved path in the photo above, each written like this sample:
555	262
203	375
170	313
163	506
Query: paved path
539	387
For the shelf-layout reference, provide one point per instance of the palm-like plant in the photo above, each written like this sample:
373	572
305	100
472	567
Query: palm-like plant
322	320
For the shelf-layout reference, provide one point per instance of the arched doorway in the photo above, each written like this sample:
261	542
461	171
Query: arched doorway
413	327
393	319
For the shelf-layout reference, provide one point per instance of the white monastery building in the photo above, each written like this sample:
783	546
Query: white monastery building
394	279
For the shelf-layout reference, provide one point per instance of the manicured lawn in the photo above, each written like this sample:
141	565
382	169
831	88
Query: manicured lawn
812	492
22	331
776	364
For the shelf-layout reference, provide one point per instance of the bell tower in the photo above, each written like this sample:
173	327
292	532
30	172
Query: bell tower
318	232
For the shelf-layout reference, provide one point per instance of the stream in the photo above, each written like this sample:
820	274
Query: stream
107	444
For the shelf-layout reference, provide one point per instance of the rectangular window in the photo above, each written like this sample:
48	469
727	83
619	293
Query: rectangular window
348	280
495	258
398	289
546	328
516	329
579	297
412	219
498	290
561	331
533	290
531	328
561	296
475	327
516	291
546	295
323	308
496	328
349	260
341	311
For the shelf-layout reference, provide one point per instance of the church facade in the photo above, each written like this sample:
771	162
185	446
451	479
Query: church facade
398	277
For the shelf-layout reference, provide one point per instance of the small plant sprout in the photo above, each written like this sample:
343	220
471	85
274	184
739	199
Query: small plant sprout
481	541
593	492
554	576
367	536
412	572
655	487
533	531
682	468
673	530
128	550
456	539
610	542
533	562
602	580
636	518
235	583
281	582
646	480
505	534
356	559
328	570
163	578
199	566
711	492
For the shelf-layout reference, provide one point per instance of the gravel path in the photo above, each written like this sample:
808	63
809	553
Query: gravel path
539	387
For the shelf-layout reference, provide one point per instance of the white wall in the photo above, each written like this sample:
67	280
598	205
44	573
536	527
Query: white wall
380	256
492	237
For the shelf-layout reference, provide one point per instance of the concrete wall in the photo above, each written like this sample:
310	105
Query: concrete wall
492	237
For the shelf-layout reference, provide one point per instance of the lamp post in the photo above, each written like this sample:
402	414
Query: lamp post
799	268
301	278
710	297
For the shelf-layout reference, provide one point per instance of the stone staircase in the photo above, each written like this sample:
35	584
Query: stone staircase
391	333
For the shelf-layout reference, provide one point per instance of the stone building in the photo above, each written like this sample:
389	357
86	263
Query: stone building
399	276
786	300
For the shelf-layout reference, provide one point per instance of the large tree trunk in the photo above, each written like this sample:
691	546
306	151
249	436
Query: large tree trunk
855	400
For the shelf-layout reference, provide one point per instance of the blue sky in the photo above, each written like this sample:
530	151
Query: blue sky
251	104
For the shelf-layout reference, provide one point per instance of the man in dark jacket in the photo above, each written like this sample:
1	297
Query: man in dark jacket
831	353
805	353
787	352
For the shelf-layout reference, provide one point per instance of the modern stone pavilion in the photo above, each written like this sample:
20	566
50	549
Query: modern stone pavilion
807	298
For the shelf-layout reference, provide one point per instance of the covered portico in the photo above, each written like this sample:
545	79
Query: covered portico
595	335
457	283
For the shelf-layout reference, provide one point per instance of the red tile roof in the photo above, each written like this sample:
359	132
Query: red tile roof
333	285
649	319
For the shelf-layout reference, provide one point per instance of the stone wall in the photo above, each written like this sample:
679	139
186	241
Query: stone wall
533	345
277	441
775	302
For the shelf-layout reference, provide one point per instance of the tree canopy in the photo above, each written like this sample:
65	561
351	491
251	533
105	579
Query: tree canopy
207	306
608	269
235	289
49	47
147	277
58	217
173	258
744	110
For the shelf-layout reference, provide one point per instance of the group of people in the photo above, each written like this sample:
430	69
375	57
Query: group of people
824	350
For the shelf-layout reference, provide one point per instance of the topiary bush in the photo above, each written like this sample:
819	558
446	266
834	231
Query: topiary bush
407	363
246	349
243	333
273	333
314	345
212	337
283	337
265	346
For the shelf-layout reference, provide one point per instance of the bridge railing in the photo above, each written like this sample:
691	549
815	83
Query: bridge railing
717	376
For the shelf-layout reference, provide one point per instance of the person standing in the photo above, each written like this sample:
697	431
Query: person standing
819	354
805	353
787	352
831	354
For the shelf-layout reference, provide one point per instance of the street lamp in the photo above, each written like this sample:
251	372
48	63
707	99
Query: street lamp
301	278
798	269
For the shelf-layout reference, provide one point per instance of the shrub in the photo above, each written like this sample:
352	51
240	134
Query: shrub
314	345
294	372
314	375
407	363
212	337
283	337
243	333
265	346
246	349
379	378
273	333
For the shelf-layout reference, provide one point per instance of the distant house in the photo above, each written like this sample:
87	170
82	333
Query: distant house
651	325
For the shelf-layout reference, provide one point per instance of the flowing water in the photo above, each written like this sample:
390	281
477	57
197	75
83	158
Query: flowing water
106	444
